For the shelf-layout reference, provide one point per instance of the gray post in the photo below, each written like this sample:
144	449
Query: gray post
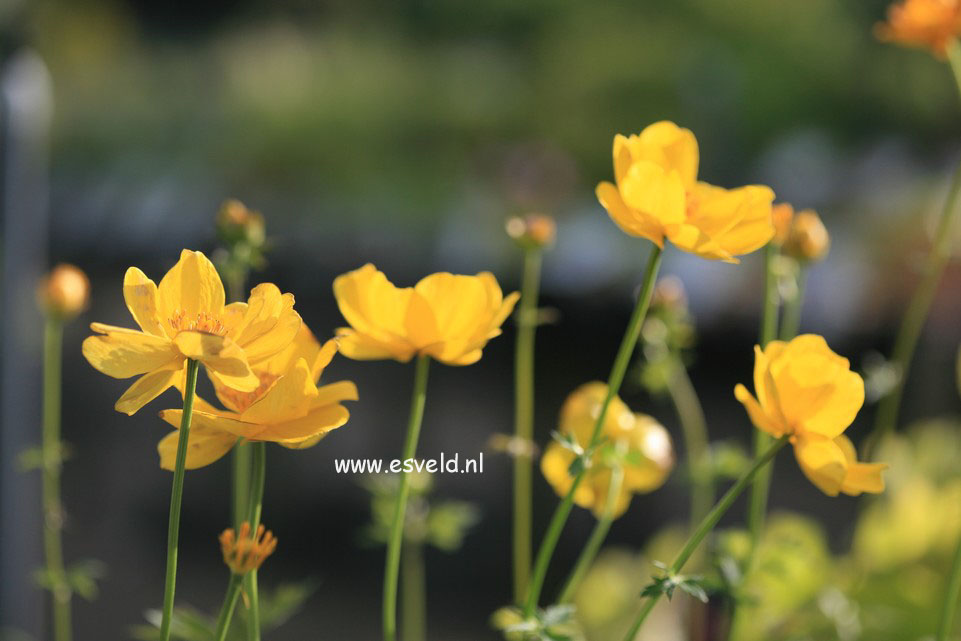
26	104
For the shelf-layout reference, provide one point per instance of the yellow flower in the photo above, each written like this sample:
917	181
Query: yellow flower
446	316
642	445
243	552
65	292
286	408
782	215
807	391
657	194
185	317
922	23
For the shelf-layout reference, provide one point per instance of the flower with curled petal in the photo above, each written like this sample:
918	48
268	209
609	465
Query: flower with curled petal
288	407
656	194
807	391
446	316
184	317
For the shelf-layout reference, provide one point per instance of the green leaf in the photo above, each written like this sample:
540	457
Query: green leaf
283	602
82	577
185	625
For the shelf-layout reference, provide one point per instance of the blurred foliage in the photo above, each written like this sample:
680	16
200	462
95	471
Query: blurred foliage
401	106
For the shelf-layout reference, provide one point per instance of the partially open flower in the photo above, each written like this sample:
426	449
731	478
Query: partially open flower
243	552
922	23
635	442
236	223
65	292
807	391
656	194
446	316
533	230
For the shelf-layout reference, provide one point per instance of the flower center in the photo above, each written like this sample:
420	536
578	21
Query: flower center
242	400
200	322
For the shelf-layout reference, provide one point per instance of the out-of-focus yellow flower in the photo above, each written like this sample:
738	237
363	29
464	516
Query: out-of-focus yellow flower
802	236
922	23
446	316
65	291
533	230
807	391
287	408
782	215
185	317
656	194
244	553
646	454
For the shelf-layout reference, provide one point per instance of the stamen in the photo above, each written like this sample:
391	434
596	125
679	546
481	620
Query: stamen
243	552
201	322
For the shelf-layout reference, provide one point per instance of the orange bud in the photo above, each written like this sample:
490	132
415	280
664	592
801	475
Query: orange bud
65	292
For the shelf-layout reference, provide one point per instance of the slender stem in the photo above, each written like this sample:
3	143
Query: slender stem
791	322
762	483
593	545
706	525
173	528
240	463
259	468
696	441
920	304
621	361
413	595
227	610
392	563
524	419
52	458
950	597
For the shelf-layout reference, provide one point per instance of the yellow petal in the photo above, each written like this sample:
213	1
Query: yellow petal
317	422
145	389
364	348
335	393
204	446
191	287
324	355
269	324
860	477
693	239
206	421
303	444
822	461
755	226
220	356
288	398
676	148
761	420
651	190
555	464
122	353
140	294
631	222
372	305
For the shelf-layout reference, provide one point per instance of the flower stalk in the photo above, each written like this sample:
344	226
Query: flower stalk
593	545
618	370
395	542
524	418
227	610
413	596
696	441
52	461
920	304
176	497
707	525
791	321
259	471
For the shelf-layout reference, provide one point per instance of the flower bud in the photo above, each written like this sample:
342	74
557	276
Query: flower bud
782	214
669	294
243	552
65	292
533	231
237	224
808	239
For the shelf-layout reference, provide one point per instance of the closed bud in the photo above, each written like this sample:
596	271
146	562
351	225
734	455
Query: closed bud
64	292
782	214
533	231
808	239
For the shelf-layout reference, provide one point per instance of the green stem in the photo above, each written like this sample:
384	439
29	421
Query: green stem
392	562
524	419
621	361
176	497
951	597
259	469
696	441
52	461
705	527
593	545
227	610
917	311
762	483
413	596
791	322
240	463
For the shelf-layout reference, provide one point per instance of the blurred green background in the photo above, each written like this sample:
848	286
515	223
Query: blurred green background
404	133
